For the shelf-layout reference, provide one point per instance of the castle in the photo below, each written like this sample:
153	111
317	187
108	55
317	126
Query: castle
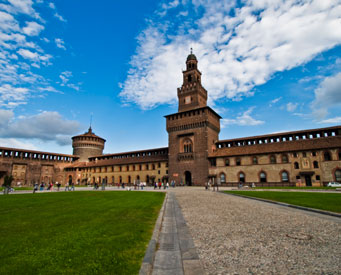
194	154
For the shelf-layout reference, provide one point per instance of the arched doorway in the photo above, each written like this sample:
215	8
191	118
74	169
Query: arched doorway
188	178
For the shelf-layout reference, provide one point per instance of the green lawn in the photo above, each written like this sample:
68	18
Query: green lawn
296	187
324	201
76	232
19	188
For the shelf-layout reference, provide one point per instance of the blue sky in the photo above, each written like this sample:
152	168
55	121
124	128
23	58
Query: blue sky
268	66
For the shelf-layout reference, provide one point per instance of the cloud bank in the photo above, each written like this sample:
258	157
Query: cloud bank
45	126
239	46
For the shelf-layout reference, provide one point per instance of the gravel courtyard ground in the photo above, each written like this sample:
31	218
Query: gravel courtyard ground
242	236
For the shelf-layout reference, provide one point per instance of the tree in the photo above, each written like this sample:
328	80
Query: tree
7	183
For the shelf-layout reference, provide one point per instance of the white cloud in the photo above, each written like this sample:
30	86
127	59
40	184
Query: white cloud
235	53
291	106
334	120
21	7
327	95
60	43
22	53
274	101
45	126
32	28
61	18
5	117
28	54
35	57
52	6
243	120
15	143
7	22
65	77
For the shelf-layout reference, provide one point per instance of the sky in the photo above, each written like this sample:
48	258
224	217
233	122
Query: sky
269	66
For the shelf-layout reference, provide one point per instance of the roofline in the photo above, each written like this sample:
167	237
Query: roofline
281	134
34	151
130	152
85	135
206	107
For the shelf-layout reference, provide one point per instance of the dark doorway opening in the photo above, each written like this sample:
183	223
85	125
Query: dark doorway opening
188	178
307	180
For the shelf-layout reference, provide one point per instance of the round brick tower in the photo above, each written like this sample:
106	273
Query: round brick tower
87	145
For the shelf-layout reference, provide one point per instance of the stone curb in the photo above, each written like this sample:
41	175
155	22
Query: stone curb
147	263
288	205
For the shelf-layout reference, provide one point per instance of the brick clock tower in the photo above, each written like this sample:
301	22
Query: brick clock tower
192	131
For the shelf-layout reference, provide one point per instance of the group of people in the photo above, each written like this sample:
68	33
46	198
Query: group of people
161	185
49	186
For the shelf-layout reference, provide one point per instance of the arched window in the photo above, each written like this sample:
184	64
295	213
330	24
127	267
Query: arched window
285	176
254	160
284	158
339	154
272	159
120	179
222	178
129	179
327	156
296	165
188	146
238	161
338	175
316	164
241	177
189	78
262	177
113	179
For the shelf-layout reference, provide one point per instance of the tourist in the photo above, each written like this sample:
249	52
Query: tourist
72	186
67	186
42	186
58	185
35	188
160	184
167	185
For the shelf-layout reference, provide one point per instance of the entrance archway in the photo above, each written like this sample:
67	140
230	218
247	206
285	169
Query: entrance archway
188	178
307	180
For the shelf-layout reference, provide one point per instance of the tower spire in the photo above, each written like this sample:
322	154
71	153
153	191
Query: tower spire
90	129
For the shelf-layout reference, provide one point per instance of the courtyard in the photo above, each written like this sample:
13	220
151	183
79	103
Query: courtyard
199	231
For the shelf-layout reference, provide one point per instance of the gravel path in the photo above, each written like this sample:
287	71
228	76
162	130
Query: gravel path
241	236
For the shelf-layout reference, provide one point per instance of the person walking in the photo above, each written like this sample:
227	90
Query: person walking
66	186
35	188
72	186
58	185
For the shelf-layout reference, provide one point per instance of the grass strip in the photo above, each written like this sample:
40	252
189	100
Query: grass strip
324	201
76	232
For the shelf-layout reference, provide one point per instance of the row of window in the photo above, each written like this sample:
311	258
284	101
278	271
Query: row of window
284	175
129	179
284	158
262	177
138	167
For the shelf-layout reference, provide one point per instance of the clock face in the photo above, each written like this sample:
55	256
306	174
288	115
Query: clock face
187	99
